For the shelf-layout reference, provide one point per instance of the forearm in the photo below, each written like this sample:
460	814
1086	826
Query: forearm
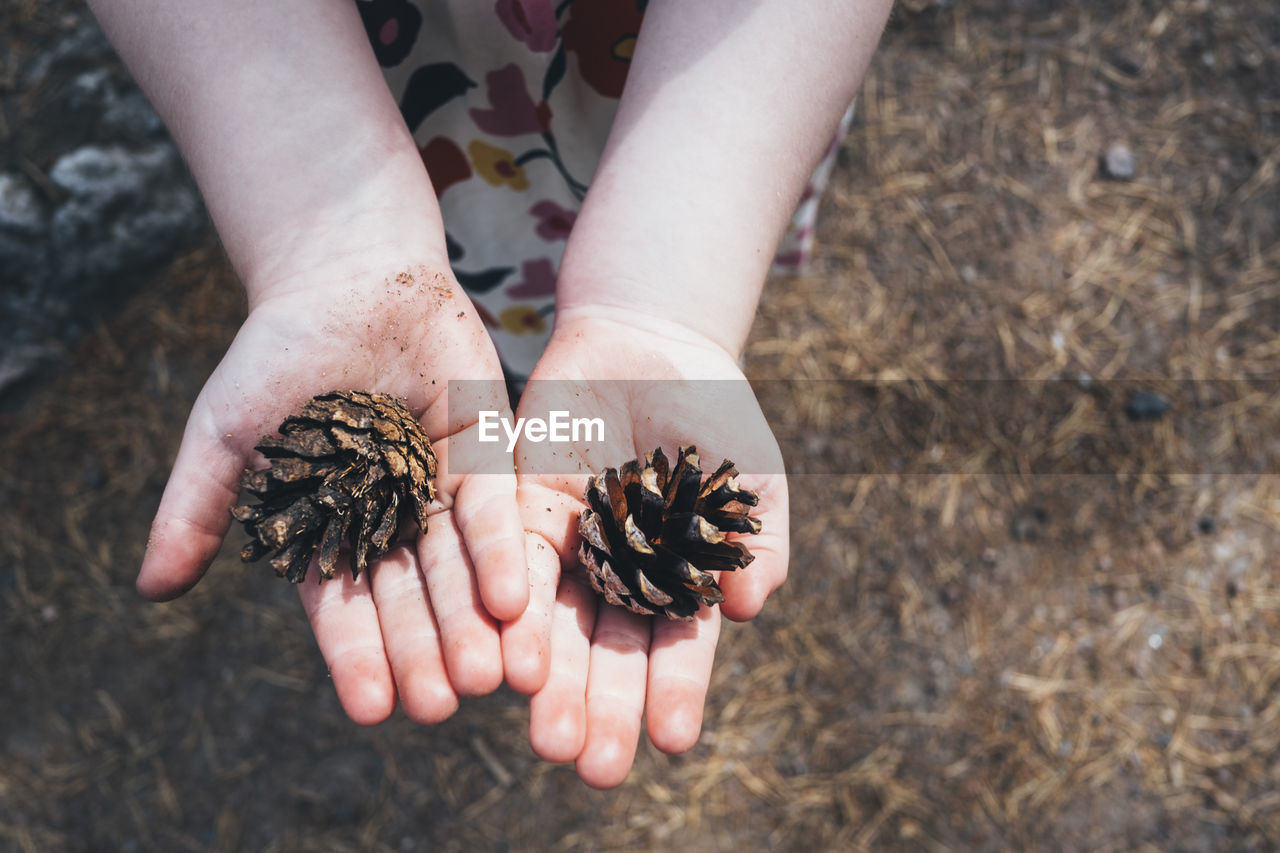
283	116
728	107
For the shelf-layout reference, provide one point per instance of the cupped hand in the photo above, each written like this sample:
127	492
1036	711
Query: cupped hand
605	667
421	625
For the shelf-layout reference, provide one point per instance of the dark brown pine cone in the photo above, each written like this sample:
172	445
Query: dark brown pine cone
653	534
351	466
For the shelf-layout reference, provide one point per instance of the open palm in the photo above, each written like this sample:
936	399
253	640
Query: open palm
607	666
420	624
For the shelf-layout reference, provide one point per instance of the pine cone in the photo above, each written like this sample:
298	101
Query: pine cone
652	535
350	466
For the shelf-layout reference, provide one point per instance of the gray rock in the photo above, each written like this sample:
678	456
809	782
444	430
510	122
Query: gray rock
117	203
21	210
25	269
95	172
85	42
24	254
126	210
90	88
1119	162
1147	406
130	116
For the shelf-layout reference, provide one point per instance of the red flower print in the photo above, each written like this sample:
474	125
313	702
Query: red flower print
539	280
554	222
514	112
531	21
392	26
446	164
603	35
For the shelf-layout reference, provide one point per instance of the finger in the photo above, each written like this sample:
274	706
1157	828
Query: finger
680	664
615	696
411	638
746	590
553	515
193	517
550	519
486	514
558	712
345	622
526	641
469	636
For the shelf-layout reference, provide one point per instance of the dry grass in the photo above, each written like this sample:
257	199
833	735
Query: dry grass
976	661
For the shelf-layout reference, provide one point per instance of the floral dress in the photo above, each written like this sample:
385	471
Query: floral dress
510	103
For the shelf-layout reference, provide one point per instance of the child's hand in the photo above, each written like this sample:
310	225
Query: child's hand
717	133
607	666
321	199
420	623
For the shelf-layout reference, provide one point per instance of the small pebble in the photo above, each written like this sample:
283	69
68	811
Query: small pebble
1146	406
1027	523
1126	63
1119	162
94	476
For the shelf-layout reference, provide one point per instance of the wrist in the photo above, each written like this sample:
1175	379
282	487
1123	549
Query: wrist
600	325
385	284
379	224
691	308
376	231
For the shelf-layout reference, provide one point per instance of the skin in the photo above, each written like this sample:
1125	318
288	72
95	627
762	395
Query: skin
728	108
321	200
609	666
324	207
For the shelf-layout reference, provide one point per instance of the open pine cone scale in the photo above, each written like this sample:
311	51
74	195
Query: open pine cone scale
653	534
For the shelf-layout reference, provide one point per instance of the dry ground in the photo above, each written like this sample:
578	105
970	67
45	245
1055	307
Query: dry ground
986	659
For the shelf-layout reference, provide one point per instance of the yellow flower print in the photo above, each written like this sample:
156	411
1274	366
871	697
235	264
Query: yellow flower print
624	48
519	319
497	166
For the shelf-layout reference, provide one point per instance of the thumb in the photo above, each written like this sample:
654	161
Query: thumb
193	515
